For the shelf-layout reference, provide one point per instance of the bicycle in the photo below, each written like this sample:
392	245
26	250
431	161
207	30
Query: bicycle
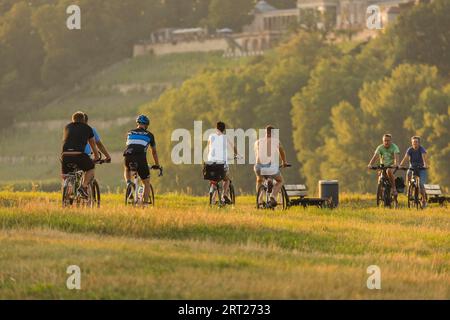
384	194
73	181
134	194
265	191
415	197
215	173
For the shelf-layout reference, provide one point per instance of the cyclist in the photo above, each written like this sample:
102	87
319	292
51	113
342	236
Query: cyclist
98	142
76	135
388	154
138	141
267	162
418	158
218	144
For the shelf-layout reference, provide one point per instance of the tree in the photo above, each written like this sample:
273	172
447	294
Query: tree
422	35
232	14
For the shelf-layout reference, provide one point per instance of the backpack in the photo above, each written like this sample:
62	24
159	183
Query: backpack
214	172
400	184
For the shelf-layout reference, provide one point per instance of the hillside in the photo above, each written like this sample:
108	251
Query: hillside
112	99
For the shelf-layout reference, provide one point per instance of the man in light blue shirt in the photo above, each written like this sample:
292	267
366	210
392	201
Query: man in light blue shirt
99	143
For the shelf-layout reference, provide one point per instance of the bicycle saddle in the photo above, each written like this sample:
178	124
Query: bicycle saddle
72	166
133	166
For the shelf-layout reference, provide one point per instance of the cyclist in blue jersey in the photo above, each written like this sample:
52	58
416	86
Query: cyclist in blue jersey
101	147
138	142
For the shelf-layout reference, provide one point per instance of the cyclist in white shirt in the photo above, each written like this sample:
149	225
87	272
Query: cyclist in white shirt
268	151
218	145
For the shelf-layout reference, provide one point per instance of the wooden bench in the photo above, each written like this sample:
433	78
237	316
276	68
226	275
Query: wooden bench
435	195
297	196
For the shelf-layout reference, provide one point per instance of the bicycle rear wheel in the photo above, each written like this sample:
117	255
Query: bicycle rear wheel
95	194
261	198
281	199
151	197
129	195
232	194
214	196
66	192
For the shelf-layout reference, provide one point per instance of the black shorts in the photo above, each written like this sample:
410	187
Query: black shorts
142	164
82	162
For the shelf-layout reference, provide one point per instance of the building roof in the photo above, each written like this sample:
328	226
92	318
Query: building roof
262	7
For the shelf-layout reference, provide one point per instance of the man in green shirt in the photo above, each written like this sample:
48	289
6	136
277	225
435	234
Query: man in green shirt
388	154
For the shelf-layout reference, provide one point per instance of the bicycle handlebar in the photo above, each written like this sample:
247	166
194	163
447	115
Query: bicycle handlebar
101	161
383	167
158	168
419	168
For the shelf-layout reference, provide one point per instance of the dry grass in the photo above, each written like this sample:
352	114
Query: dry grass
183	249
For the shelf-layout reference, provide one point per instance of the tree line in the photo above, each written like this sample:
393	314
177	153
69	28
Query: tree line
331	105
40	59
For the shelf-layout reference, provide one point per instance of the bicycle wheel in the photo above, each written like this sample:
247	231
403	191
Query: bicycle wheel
213	195
261	198
151	196
66	192
96	194
129	195
417	198
379	195
281	200
387	197
232	194
411	196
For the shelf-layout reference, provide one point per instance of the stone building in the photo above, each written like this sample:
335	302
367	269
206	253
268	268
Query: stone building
268	27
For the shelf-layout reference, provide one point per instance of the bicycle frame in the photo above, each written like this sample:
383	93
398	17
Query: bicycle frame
268	185
414	188
385	183
138	192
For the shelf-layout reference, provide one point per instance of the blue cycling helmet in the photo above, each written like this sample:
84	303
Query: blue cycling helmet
142	119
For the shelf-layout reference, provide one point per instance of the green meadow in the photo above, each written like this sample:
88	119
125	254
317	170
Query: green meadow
182	249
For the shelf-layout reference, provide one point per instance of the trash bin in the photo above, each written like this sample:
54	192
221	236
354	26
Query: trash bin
329	189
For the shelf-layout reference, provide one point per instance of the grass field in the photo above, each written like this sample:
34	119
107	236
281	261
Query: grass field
184	250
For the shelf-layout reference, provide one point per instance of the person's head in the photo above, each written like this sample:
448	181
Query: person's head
143	121
78	117
221	126
269	130
387	140
415	142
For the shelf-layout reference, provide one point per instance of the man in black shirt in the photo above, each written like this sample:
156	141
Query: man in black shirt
76	136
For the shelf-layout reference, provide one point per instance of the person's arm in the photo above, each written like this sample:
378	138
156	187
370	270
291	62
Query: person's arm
425	160
405	158
233	146
103	150
94	148
396	159
375	158
155	156
396	156
283	156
